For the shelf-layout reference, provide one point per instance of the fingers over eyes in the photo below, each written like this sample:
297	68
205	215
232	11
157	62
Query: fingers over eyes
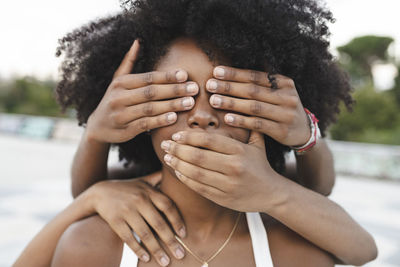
250	76
241	75
159	91
131	81
154	108
148	123
249	91
250	107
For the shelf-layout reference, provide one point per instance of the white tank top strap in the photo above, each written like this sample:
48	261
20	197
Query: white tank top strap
259	241
129	259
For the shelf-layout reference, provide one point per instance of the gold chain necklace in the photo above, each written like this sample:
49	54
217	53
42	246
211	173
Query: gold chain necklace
205	262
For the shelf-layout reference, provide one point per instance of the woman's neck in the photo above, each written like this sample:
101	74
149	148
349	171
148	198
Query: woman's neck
203	218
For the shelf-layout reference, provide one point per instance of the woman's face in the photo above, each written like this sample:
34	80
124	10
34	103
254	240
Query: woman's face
183	53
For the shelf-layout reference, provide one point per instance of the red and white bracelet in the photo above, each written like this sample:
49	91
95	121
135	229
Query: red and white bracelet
315	135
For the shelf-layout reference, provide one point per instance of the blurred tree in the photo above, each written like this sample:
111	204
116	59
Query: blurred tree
395	91
358	56
376	114
28	96
375	119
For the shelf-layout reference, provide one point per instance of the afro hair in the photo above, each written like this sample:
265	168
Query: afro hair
289	37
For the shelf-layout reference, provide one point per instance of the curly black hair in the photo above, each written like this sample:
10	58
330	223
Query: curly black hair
289	37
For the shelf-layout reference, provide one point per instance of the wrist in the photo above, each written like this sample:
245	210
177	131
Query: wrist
315	135
314	149
92	196
86	201
92	140
277	196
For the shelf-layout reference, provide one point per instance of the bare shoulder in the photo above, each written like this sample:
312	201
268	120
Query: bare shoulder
89	242
290	249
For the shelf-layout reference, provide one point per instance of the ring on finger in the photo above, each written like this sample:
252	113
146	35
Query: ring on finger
135	236
272	80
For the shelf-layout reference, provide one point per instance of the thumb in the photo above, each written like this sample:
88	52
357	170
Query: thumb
256	139
129	60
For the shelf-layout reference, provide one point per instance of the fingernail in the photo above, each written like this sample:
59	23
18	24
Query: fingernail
192	88
182	232
179	253
164	260
165	145
229	118
187	102
176	136
212	85
216	100
167	158
171	117
181	76
134	43
219	72
145	258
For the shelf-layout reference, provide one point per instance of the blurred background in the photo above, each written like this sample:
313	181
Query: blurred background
37	142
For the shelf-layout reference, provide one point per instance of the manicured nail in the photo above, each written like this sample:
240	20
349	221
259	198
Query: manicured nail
229	118
179	253
212	85
171	117
136	42
181	76
176	136
192	88
167	158
219	72
188	102
145	258
164	260
165	145
216	100
182	232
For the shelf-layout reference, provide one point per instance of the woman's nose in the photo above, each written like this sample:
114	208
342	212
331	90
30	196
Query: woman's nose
203	115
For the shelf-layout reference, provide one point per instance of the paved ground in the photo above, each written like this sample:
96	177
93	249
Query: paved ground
34	186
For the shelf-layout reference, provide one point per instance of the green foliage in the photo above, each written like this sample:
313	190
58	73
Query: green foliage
375	119
376	115
28	96
358	56
395	91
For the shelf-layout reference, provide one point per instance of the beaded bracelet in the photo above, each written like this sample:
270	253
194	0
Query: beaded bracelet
315	135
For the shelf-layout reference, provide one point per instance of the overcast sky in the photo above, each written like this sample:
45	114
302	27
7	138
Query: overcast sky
29	30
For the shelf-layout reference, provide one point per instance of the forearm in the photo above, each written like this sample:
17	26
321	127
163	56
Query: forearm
89	165
40	250
315	168
322	222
